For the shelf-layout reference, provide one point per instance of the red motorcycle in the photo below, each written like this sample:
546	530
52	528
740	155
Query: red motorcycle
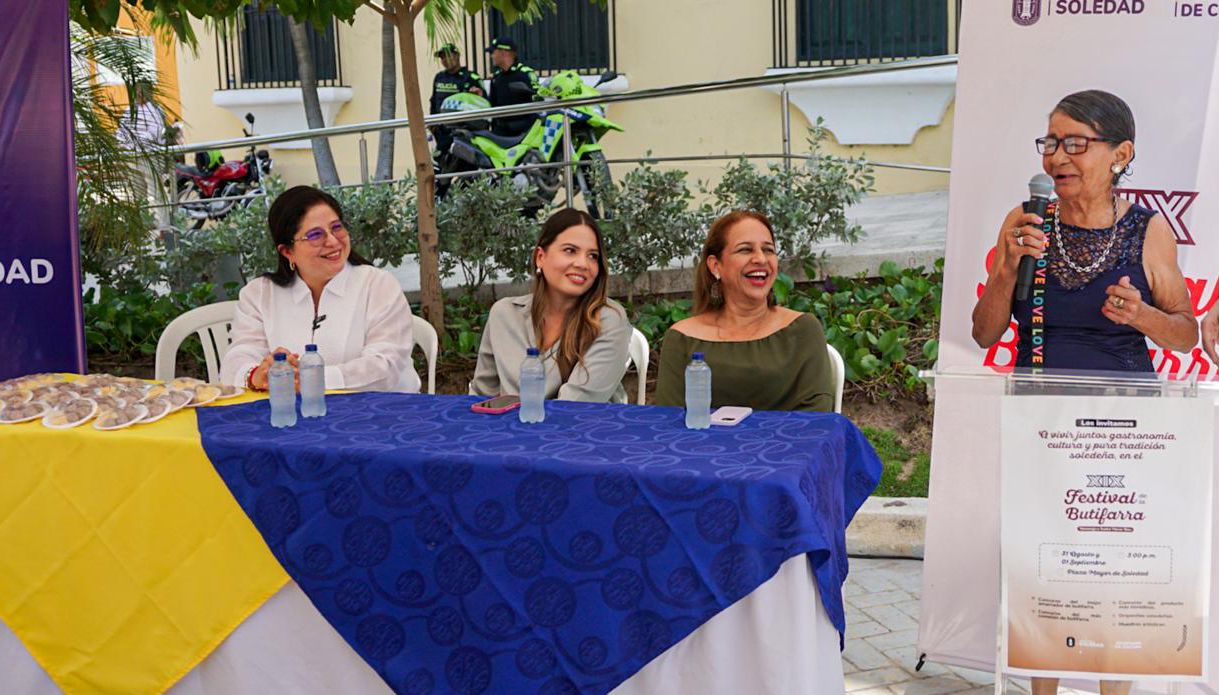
211	188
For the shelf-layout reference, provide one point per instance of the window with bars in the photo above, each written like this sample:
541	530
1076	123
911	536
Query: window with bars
845	32
258	53
578	35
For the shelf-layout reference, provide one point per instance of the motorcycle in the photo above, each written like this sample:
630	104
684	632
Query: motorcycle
475	147
212	177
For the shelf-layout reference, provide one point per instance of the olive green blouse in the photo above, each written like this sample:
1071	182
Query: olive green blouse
787	370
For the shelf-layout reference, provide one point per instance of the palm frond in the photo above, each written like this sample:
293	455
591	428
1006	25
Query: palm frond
111	193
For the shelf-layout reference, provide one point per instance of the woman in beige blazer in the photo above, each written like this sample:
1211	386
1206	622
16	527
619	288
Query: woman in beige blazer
582	334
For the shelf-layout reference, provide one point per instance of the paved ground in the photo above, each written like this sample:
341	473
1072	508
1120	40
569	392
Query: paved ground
882	598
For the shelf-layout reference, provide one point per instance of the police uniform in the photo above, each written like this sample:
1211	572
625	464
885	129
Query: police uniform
446	84
502	95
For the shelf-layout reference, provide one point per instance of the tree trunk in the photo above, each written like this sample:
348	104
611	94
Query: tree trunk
431	297
327	172
389	102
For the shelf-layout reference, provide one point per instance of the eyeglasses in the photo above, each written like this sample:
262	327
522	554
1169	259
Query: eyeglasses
1074	144
317	235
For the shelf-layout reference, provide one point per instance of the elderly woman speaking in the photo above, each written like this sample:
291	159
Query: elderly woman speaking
1113	279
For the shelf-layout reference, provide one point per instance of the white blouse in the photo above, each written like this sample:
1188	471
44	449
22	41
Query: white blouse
366	338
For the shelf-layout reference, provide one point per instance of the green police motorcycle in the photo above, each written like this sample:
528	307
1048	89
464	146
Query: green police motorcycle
474	147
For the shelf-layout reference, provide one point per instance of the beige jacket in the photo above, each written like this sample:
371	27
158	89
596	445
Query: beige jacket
509	332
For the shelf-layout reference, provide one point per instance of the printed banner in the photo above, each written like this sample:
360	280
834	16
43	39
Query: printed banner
1018	58
41	325
1106	517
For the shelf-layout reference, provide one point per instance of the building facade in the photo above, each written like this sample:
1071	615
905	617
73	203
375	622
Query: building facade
902	118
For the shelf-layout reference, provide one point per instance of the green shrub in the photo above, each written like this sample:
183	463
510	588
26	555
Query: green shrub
886	328
483	231
652	223
124	326
806	202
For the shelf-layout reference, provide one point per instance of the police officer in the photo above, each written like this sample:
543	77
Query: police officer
454	78
509	70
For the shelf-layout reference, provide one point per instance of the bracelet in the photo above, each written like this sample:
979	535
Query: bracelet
249	379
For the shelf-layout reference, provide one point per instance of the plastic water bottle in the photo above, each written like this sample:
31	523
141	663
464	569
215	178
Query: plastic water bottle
698	393
281	382
313	383
533	388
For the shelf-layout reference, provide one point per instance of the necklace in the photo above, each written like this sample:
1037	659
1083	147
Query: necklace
1062	248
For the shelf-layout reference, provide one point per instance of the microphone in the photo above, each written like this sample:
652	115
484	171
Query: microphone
1040	188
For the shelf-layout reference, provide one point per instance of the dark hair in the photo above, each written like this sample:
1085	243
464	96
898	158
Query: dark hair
582	326
1105	113
717	239
284	217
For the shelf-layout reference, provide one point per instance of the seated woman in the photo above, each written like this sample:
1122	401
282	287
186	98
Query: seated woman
583	335
762	356
324	293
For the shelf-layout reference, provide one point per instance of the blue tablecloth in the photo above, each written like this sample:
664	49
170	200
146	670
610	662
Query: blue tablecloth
468	553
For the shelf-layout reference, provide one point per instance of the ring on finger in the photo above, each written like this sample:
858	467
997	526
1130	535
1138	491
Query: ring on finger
1020	241
1117	302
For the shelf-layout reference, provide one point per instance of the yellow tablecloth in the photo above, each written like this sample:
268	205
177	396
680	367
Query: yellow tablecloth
124	560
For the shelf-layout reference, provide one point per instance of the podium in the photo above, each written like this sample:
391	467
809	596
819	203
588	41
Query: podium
1070	528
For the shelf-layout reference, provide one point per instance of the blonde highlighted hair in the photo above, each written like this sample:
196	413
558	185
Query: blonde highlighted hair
582	324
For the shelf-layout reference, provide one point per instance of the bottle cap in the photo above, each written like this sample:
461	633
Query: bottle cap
697	357
310	348
532	352
281	357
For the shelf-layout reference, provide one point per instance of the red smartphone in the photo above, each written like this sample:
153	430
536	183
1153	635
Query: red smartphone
497	405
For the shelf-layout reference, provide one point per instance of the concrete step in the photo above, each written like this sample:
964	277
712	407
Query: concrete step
888	527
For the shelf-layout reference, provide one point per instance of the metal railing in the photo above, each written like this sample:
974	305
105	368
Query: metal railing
813	33
538	107
578	36
257	52
567	163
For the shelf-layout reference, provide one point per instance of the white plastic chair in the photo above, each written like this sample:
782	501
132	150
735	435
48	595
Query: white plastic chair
212	323
838	372
425	337
639	353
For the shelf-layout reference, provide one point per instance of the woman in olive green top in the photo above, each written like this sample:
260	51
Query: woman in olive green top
763	356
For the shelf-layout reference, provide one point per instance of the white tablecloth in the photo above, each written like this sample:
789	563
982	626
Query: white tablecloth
776	640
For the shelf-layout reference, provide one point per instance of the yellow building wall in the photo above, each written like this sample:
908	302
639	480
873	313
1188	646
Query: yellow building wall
658	44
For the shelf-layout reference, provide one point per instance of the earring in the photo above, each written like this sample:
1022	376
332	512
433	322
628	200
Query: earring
292	266
539	269
1117	168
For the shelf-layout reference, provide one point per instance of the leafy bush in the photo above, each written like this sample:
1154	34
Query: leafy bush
652	223
124	326
382	220
655	318
807	204
885	328
483	231
464	323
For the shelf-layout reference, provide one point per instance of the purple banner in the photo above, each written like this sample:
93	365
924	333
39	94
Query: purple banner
41	322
